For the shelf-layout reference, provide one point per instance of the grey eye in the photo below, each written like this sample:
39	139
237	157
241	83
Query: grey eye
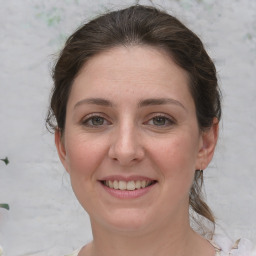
97	120
159	120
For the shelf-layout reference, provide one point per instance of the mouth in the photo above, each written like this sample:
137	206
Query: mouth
130	185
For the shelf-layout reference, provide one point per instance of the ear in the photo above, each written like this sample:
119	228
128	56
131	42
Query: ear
60	145
207	147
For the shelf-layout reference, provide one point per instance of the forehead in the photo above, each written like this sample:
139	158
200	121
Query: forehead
131	71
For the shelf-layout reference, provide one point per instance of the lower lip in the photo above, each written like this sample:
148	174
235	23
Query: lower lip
128	194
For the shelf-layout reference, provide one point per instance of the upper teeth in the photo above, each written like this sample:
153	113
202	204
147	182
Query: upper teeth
127	185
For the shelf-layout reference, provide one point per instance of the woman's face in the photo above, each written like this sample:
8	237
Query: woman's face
131	143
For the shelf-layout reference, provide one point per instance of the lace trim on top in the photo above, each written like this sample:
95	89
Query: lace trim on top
218	250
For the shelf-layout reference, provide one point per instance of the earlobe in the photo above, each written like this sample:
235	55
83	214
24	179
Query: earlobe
209	141
59	143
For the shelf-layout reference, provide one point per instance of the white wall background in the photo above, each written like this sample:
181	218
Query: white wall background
44	215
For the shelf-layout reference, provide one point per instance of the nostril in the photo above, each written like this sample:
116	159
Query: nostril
126	150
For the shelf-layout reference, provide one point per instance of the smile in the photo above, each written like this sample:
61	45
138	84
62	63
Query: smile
128	185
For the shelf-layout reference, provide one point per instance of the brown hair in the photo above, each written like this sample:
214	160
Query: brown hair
141	25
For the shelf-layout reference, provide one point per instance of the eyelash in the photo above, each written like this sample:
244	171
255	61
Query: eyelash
167	121
90	119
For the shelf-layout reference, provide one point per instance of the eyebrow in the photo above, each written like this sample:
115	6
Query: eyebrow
94	101
142	103
160	101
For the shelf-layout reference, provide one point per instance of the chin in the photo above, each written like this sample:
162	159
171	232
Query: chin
125	220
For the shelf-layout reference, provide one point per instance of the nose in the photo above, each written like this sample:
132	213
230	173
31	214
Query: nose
126	147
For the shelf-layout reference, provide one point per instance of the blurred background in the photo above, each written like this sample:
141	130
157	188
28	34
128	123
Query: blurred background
44	215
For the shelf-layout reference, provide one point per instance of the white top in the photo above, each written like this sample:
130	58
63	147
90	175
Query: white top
223	247
75	253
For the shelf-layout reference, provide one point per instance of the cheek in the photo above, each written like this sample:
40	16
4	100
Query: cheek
176	159
83	155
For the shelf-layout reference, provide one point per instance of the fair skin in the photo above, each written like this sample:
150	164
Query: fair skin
131	118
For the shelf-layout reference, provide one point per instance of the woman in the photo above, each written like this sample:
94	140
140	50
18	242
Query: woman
137	109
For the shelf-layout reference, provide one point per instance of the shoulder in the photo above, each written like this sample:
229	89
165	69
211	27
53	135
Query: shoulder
226	247
74	253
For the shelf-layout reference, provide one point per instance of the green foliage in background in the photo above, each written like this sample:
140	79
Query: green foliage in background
5	160
5	206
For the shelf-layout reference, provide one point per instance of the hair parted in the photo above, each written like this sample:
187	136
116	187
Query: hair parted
141	25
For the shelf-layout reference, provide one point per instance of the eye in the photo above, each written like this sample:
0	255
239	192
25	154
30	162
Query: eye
161	120
95	121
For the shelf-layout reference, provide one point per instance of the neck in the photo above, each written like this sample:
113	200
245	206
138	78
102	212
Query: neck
166	240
